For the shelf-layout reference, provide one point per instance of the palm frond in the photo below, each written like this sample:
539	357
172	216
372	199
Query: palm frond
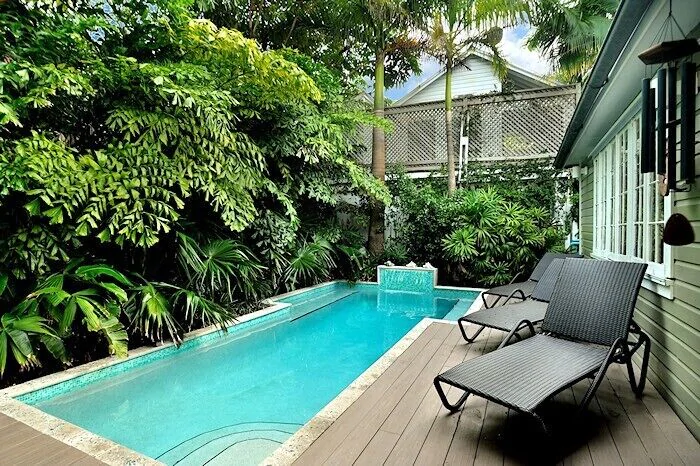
197	307
150	312
220	266
16	333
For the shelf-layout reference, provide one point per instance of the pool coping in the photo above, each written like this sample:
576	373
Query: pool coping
113	453
302	439
272	305
98	447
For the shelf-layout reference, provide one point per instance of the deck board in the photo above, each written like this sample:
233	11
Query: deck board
659	449
362	433
601	445
442	428
399	420
22	445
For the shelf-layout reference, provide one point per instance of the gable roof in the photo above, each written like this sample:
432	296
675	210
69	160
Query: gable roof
519	72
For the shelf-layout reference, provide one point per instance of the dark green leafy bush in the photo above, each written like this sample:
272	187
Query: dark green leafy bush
475	236
182	154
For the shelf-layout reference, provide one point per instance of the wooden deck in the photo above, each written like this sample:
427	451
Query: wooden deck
22	445
399	420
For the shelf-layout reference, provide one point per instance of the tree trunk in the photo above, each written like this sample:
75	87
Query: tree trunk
451	183
376	218
251	19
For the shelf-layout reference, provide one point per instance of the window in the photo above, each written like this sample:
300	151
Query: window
628	211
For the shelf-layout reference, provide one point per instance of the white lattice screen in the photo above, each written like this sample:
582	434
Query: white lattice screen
521	125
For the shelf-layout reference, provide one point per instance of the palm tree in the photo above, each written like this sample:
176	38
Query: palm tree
384	27
571	33
459	27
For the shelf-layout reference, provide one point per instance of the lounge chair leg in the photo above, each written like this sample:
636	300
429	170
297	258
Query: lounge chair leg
453	408
543	425
638	385
469	339
522	296
600	374
486	304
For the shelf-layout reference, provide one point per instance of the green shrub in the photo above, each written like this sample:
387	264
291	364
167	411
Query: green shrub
476	236
125	129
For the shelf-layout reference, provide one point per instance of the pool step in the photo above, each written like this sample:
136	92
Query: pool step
241	444
305	308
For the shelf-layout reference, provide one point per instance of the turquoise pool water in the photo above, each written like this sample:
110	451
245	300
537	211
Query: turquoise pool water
235	399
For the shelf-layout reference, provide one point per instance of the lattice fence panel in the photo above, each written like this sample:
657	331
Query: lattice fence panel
527	124
514	129
363	142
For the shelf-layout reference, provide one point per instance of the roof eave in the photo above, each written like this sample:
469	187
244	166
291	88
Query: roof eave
626	20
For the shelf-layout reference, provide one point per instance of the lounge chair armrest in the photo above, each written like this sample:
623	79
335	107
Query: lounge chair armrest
522	296
514	331
514	278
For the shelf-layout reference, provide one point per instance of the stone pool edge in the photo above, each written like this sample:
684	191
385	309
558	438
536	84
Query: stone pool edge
478	301
98	447
302	439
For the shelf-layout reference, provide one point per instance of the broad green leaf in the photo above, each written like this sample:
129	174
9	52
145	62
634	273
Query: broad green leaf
68	316
53	294
20	344
56	347
90	272
3	351
116	290
91	318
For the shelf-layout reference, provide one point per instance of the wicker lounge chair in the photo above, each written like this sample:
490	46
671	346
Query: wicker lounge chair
514	317
522	290
585	329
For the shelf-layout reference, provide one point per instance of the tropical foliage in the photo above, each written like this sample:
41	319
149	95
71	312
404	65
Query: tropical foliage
477	236
529	183
570	33
136	137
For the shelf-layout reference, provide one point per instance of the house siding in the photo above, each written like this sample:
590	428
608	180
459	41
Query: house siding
672	324
477	77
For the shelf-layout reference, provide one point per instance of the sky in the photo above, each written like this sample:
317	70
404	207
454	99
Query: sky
512	47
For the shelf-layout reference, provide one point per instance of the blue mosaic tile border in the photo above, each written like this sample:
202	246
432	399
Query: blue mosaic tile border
450	293
82	380
310	294
256	324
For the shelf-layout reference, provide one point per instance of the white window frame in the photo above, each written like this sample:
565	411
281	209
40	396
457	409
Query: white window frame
607	206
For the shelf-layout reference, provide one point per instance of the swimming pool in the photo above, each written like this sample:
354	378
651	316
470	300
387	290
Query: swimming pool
236	399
